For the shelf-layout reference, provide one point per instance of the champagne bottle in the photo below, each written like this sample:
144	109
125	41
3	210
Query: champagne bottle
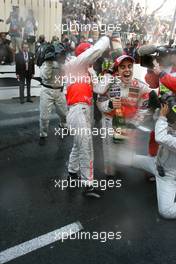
119	125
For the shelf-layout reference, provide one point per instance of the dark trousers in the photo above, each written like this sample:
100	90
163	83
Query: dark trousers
22	86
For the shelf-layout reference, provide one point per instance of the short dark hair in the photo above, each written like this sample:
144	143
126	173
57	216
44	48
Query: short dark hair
24	43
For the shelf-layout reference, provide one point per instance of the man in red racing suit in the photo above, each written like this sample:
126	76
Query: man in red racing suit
79	99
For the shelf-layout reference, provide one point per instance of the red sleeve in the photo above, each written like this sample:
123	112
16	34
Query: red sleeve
153	145
169	81
152	79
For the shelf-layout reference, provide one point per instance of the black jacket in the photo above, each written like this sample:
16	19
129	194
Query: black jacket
21	66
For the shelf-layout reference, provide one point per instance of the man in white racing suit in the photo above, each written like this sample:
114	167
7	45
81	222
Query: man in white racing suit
124	93
52	74
79	99
163	166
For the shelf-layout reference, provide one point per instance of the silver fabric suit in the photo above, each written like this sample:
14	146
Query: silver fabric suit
166	157
81	157
80	115
52	75
112	154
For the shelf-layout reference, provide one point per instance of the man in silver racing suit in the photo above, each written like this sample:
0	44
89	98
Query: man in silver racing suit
163	166
52	74
79	99
126	97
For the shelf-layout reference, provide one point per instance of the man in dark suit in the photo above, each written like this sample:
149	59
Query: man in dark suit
25	71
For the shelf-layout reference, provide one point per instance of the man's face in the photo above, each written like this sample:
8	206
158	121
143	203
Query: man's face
125	71
25	47
3	36
16	12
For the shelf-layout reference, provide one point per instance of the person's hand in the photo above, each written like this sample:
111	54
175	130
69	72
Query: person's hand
164	110
18	77
116	102
109	34
157	69
91	71
92	74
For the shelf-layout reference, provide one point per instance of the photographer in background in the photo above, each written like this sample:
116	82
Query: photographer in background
161	65
15	30
168	80
164	165
160	62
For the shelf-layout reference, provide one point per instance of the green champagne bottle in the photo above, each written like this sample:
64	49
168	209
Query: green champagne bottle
119	125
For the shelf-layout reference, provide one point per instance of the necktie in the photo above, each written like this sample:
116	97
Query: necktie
26	60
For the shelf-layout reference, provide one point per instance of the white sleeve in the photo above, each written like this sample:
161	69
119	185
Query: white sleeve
103	85
92	54
162	136
104	106
144	96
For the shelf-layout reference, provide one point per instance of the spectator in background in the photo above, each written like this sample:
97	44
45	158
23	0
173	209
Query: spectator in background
6	55
15	30
3	39
55	40
82	39
117	49
134	49
39	49
127	49
30	27
40	41
94	33
69	44
25	71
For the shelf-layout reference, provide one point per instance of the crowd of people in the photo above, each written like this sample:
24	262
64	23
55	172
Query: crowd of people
20	30
74	70
135	22
88	20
